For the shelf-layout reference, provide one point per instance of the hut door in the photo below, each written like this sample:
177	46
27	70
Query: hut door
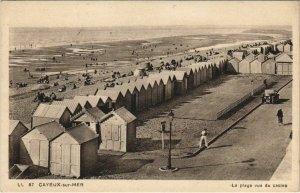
123	139
43	153
35	151
66	155
116	137
55	157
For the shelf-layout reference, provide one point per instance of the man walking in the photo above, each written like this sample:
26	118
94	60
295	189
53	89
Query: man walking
280	117
204	133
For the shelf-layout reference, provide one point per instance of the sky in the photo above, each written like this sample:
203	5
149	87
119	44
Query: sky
147	13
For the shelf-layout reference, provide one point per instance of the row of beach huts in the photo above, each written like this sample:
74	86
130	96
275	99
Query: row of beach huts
272	58
66	136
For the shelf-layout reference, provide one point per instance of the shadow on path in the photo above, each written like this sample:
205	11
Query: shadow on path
221	164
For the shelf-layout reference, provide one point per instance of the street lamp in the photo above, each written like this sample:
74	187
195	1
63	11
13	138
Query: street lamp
252	88
169	165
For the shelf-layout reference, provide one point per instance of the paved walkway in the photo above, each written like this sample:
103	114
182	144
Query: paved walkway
252	150
207	104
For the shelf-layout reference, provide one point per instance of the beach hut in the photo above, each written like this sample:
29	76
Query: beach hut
74	152
118	131
268	67
134	96
45	113
154	88
102	102
199	77
223	64
190	76
284	64
126	95
280	47
202	74
160	89
168	86
240	54
116	97
180	82
287	48
91	117
148	88
205	69
255	66
244	65
233	65
16	130
34	145
73	105
216	70
142	95
210	72
194	69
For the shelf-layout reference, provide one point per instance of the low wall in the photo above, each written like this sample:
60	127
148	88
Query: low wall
244	99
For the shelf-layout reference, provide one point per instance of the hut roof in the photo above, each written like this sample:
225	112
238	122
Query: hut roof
165	76
201	64
186	69
122	88
249	58
269	61
179	75
284	58
51	111
235	60
81	133
70	103
146	82
13	124
82	100
123	113
139	84
154	78
112	94
238	54
261	57
130	86
50	130
93	114
92	99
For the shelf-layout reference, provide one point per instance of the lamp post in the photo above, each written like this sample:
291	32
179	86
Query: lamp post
169	165
252	88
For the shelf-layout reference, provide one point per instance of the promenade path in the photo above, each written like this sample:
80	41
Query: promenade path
252	150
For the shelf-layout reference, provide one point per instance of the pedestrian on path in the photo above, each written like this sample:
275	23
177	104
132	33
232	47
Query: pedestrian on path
203	137
280	117
265	83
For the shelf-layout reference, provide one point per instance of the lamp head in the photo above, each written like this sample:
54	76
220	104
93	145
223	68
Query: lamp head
171	115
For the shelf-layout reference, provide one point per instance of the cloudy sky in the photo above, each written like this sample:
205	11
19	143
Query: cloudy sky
89	14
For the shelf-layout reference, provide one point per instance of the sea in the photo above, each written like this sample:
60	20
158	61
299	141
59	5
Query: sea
29	37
